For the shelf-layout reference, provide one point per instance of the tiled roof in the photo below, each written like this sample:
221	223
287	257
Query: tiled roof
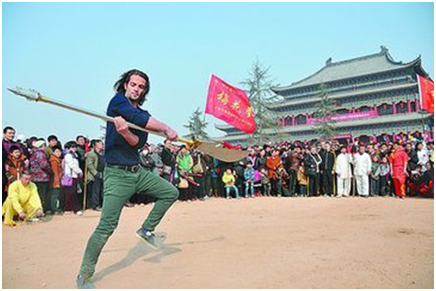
366	65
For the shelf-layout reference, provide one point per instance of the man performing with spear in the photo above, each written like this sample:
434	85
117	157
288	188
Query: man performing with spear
123	175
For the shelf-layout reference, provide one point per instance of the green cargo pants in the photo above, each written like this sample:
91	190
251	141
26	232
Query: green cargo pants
119	186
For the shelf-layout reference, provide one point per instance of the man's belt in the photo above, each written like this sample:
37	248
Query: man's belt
133	169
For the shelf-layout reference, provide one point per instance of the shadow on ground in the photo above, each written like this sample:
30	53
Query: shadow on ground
141	249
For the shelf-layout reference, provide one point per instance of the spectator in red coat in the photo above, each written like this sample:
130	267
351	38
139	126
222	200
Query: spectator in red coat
398	160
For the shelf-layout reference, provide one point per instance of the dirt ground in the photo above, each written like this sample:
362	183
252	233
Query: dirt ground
248	243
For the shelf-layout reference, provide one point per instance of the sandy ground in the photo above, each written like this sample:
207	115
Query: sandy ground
249	243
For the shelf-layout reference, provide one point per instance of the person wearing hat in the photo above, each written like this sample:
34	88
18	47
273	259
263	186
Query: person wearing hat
40	170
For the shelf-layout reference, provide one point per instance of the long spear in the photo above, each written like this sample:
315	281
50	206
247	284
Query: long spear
213	149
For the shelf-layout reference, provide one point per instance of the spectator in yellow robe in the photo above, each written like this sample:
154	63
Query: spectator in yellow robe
23	201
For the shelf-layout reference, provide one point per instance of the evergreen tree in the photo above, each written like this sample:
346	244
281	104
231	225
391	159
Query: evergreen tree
260	96
325	126
197	125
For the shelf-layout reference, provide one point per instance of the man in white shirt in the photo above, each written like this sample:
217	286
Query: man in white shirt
362	169
343	172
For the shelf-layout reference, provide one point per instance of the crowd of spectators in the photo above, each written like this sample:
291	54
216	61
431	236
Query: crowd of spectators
55	176
44	177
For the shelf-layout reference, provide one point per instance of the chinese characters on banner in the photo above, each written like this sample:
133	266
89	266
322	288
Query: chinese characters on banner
230	104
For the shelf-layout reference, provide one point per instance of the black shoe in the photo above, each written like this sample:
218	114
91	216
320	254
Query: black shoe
84	282
97	209
148	237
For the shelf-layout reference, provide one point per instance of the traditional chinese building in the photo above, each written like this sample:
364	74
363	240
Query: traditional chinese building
376	97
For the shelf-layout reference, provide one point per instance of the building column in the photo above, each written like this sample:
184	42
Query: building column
417	105
409	106
293	120
394	107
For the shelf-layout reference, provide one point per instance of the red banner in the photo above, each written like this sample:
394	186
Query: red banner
230	104
426	92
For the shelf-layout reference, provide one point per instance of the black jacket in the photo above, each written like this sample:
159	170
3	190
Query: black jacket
310	165
168	158
328	161
413	160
